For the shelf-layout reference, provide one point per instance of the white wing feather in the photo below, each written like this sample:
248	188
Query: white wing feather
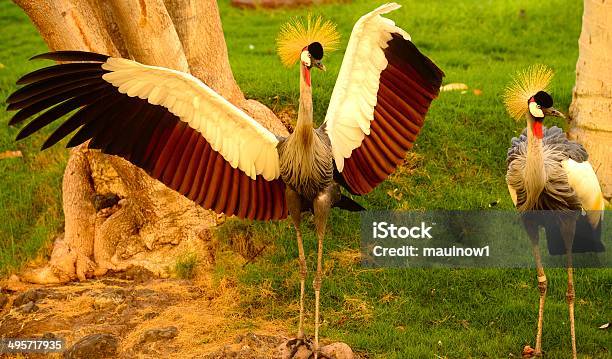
230	131
582	179
351	107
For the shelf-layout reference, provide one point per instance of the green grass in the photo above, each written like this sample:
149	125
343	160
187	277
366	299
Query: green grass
460	159
185	267
30	197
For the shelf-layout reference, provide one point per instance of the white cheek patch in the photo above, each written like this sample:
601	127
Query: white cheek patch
535	111
305	58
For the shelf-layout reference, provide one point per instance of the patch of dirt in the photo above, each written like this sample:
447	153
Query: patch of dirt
135	315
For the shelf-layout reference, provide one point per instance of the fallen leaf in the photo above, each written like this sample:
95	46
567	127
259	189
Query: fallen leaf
10	154
455	86
477	92
388	298
605	326
396	194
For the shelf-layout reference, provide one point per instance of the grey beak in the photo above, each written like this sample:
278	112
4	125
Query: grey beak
319	65
554	112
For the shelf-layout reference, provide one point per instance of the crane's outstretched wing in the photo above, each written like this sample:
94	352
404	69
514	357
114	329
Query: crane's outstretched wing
167	122
379	102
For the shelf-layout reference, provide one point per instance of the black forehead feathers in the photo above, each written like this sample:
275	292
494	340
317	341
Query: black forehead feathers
543	99
316	50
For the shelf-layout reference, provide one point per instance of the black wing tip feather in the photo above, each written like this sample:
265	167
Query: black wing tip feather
71	56
435	74
53	71
13	121
21	135
339	179
348	204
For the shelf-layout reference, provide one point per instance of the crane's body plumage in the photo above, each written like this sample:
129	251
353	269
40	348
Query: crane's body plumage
306	163
196	142
547	185
554	174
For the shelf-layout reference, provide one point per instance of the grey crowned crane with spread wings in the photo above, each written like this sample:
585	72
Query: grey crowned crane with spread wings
548	172
184	134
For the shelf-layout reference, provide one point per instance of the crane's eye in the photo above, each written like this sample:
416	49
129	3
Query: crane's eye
539	106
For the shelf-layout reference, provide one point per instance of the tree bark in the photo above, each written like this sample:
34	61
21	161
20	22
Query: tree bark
149	34
151	225
204	47
591	108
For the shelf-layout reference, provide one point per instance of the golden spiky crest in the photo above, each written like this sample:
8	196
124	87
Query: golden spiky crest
526	83
295	35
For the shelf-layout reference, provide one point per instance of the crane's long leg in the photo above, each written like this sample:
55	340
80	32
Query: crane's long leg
295	210
570	301
322	205
568	229
542	286
532	229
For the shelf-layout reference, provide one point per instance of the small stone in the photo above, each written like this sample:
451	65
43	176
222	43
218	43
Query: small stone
238	339
153	335
338	351
139	274
28	307
31	295
285	350
94	346
150	315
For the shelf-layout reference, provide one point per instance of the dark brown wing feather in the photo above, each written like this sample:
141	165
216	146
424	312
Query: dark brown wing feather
149	136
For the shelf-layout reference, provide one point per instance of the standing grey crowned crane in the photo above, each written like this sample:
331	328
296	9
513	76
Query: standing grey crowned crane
546	171
181	132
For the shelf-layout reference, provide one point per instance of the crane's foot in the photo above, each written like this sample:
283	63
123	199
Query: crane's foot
302	348
529	352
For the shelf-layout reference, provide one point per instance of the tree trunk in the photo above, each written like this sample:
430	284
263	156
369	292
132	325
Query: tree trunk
273	4
151	225
591	109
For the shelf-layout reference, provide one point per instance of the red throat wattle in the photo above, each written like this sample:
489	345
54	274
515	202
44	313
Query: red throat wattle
306	72
537	129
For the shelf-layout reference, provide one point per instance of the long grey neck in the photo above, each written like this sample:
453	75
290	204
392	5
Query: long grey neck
535	172
304	128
